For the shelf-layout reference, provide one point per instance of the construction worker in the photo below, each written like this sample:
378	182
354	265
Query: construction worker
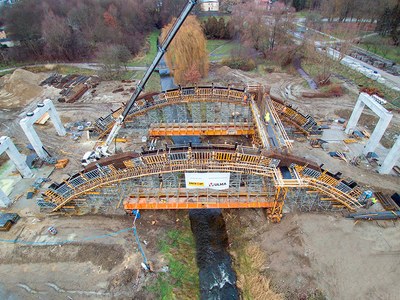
267	118
371	201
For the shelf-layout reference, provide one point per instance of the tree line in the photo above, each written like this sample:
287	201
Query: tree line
75	30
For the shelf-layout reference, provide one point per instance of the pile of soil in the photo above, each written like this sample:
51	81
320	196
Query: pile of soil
19	88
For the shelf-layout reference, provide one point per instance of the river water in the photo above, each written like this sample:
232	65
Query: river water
216	276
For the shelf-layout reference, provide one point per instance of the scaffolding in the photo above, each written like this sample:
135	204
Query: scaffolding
155	180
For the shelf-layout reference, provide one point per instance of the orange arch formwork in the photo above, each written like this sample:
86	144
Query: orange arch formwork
271	193
154	101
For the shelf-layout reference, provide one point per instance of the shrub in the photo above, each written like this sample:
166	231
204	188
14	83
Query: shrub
244	64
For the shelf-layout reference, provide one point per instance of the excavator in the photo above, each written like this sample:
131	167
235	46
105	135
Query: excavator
102	151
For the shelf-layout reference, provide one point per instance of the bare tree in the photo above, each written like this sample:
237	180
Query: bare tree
262	29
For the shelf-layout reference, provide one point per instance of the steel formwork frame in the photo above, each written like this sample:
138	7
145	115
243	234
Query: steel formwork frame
165	191
194	112
155	180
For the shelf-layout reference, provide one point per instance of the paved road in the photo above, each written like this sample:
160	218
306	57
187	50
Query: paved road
89	66
390	80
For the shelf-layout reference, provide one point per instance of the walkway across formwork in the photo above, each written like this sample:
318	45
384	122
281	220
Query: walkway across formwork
201	129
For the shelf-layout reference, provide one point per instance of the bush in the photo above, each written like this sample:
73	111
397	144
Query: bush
216	28
244	64
336	90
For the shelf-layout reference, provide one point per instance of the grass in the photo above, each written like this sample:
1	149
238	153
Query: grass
220	49
62	69
249	260
153	84
225	17
393	97
344	35
381	46
181	282
12	64
2	73
265	67
150	51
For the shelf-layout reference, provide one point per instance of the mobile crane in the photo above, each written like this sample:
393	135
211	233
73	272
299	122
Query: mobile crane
102	151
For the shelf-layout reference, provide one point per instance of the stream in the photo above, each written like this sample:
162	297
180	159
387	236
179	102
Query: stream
216	276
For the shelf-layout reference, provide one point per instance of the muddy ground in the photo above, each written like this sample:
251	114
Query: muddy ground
100	261
305	252
308	252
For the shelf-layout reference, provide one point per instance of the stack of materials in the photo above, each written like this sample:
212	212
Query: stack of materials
72	86
381	215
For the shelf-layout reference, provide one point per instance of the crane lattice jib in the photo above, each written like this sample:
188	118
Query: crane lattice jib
161	50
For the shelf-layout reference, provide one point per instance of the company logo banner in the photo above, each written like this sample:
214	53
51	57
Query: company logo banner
216	181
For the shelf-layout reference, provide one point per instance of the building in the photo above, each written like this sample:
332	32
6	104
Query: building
3	2
4	41
209	5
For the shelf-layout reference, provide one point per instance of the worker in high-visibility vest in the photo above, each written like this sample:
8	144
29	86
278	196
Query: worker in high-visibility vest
371	201
267	118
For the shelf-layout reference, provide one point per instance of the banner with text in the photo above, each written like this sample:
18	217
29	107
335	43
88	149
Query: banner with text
216	181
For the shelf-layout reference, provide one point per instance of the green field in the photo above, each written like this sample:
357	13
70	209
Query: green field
145	59
182	279
220	49
392	96
153	84
382	46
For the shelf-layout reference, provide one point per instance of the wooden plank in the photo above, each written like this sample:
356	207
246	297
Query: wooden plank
43	119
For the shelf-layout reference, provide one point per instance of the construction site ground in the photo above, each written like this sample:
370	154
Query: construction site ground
305	252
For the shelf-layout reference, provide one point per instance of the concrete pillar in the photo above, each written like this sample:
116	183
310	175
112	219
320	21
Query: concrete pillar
15	156
376	136
55	117
391	159
355	115
33	138
4	200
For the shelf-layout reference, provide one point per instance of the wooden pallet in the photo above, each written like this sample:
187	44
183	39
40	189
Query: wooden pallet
386	201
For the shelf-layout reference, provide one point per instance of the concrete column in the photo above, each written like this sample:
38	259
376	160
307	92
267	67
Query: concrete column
55	117
33	138
376	136
355	115
4	200
16	157
391	159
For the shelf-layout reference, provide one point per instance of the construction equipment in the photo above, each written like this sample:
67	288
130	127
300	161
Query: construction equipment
52	230
7	220
103	150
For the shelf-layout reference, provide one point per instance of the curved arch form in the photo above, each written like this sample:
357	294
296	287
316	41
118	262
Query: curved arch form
230	159
152	101
190	94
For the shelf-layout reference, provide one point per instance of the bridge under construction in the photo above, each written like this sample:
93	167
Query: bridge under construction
263	174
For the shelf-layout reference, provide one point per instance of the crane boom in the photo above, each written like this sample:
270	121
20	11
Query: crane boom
160	53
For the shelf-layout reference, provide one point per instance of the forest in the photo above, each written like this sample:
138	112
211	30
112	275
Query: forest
75	30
